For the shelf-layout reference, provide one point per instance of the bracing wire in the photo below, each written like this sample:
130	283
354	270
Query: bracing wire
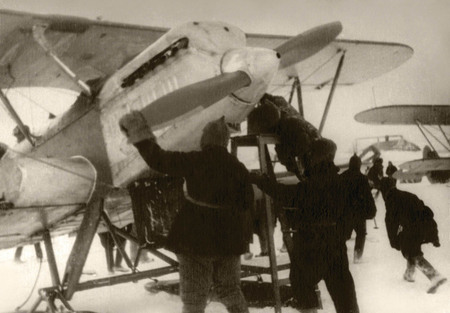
321	66
32	101
312	73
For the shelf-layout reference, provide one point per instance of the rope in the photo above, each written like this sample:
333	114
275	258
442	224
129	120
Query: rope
33	288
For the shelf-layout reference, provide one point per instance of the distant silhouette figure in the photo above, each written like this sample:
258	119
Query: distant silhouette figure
390	169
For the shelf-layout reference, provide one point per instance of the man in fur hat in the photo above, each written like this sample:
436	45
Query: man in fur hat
213	227
319	245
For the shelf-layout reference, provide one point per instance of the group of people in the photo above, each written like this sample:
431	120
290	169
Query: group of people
214	226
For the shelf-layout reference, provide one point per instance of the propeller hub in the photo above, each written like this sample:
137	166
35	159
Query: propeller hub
259	64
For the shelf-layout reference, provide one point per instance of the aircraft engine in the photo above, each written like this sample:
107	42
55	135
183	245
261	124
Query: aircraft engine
259	63
30	182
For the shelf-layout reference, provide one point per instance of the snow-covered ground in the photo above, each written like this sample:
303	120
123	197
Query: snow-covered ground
379	283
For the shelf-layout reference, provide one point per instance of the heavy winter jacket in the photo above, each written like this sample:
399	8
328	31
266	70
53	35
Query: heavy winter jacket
359	198
319	242
407	216
320	199
218	219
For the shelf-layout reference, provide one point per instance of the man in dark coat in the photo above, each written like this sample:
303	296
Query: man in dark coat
376	173
213	227
360	204
390	169
409	224
319	250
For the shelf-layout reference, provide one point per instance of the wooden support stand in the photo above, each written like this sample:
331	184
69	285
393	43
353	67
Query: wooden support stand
261	142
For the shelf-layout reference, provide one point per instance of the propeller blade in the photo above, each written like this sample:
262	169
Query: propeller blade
200	94
307	43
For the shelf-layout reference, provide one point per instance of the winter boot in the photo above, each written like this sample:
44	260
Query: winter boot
410	271
357	255
434	276
436	282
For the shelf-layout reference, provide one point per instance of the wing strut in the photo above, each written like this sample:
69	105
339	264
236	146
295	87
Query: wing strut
445	136
39	37
296	86
15	117
422	127
330	97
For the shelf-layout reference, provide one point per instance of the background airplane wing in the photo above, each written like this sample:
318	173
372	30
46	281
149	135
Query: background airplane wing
91	49
364	60
406	115
396	145
426	165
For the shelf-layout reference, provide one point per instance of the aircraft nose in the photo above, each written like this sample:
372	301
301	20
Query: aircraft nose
259	63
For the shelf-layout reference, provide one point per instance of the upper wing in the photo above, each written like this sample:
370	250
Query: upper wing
95	49
406	115
91	49
363	60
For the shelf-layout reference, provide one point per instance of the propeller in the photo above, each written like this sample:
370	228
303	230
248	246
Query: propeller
203	93
308	43
210	91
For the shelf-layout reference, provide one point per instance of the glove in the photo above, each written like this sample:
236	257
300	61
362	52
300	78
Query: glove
396	246
135	127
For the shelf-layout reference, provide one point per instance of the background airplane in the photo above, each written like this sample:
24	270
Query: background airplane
181	81
435	167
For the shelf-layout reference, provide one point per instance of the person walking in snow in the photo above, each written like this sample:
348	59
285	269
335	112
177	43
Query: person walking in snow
319	250
375	174
361	205
213	228
409	224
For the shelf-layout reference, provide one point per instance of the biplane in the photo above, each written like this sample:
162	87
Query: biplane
370	148
436	168
73	177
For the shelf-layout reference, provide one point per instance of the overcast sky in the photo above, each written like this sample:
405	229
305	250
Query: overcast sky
423	25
